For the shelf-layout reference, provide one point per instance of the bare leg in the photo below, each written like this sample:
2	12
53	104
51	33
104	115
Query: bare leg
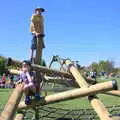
27	97
33	46
26	90
31	54
32	87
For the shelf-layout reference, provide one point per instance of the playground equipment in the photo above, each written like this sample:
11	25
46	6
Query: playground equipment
85	90
69	76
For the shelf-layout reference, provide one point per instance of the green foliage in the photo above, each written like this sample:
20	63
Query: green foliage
2	65
94	66
116	70
107	66
43	63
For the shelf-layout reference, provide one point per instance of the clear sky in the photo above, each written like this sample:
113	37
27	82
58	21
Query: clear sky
84	30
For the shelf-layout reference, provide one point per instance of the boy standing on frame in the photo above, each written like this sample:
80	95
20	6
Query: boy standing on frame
37	29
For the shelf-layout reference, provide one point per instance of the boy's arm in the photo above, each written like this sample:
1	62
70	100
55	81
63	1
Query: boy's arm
19	81
33	18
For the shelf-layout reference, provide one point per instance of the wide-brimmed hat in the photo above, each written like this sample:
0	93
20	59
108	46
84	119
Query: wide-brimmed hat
40	9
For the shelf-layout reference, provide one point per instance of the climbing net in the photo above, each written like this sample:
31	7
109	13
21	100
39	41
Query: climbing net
53	113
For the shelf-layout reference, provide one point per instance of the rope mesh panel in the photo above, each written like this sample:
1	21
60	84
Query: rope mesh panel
52	113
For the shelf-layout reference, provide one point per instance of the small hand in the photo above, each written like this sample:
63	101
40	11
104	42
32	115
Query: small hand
20	81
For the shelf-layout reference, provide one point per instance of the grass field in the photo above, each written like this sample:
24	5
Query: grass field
75	104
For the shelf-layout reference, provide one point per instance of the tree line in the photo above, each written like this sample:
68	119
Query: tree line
107	66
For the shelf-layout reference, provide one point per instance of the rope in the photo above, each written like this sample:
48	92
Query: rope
53	113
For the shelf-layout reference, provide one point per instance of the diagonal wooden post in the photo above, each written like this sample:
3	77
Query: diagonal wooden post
11	106
95	102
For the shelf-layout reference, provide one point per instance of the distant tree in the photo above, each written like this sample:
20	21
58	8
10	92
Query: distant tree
94	66
116	70
43	63
103	66
2	65
107	66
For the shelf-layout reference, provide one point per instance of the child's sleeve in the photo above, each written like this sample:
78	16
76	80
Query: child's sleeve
19	79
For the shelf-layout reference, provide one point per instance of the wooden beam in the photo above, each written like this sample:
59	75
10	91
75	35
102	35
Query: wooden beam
70	94
76	74
100	109
39	68
39	50
11	106
113	93
14	72
115	117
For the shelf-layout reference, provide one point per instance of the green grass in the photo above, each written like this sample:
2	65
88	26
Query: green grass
4	95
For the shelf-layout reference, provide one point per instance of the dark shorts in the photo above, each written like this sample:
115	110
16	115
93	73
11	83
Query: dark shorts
34	42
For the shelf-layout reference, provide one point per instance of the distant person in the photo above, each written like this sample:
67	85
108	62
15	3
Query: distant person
3	80
29	78
10	81
36	28
90	77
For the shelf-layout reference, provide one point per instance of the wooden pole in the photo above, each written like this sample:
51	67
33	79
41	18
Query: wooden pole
40	69
113	93
95	102
76	74
11	106
14	72
70	94
115	117
39	50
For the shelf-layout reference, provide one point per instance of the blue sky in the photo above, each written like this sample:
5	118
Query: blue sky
84	30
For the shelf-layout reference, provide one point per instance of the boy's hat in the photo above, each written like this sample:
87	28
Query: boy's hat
26	62
41	9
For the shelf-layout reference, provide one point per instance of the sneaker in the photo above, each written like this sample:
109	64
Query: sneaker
37	97
27	100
